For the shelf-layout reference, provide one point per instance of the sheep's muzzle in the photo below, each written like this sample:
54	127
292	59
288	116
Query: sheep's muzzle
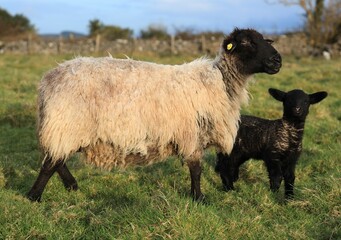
273	64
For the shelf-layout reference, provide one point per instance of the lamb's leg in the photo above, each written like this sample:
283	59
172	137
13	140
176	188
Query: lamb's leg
227	180
46	172
195	171
236	173
289	179
69	181
275	174
227	171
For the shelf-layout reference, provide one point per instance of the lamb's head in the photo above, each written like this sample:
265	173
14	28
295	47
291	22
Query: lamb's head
296	103
251	52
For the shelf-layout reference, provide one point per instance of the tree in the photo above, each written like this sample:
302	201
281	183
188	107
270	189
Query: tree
213	34
323	20
185	33
95	26
114	32
16	25
156	31
109	32
331	21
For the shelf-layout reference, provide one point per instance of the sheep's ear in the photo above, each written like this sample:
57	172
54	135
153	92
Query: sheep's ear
230	45
277	94
317	97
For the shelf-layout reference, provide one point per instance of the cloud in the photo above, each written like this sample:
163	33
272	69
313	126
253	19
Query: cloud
185	6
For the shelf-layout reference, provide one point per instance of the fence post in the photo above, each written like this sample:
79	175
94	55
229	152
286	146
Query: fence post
29	43
60	44
203	43
172	44
97	43
132	46
72	37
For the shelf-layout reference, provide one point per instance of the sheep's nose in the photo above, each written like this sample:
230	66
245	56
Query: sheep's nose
276	59
297	109
273	63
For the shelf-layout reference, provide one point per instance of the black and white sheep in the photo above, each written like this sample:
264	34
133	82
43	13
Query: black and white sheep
277	142
123	112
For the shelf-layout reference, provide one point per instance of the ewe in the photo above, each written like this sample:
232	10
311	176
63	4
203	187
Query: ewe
126	112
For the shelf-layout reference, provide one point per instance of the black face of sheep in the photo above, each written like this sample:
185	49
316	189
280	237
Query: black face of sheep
253	53
296	102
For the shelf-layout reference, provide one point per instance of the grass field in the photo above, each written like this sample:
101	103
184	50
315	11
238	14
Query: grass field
153	202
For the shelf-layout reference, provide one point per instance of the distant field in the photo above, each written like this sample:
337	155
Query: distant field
153	202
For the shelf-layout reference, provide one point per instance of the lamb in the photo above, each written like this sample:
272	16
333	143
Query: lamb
277	142
123	112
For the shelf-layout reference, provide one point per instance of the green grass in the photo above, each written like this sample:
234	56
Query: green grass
153	202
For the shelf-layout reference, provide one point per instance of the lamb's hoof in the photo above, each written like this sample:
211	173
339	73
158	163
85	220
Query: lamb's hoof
72	187
289	197
228	188
33	197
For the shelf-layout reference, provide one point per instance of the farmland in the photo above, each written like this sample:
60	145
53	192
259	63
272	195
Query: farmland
153	202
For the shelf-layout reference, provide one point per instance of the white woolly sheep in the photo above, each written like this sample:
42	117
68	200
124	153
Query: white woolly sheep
277	142
126	112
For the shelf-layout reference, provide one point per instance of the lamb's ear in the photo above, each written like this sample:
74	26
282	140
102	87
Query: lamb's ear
317	97
277	94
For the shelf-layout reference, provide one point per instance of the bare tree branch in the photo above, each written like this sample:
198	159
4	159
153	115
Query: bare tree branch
323	18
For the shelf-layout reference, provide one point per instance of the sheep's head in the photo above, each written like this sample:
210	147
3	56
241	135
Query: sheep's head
252	53
296	103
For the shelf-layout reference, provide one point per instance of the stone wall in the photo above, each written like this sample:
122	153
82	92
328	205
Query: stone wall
294	44
88	46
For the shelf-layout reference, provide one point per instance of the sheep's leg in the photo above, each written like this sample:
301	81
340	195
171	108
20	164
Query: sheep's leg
289	179
195	171
46	172
275	174
69	181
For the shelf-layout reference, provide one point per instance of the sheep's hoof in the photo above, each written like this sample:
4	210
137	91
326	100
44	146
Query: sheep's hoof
200	199
33	197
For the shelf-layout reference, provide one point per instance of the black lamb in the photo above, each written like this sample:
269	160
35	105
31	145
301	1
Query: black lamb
277	142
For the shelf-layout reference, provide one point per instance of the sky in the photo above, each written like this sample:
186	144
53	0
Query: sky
55	16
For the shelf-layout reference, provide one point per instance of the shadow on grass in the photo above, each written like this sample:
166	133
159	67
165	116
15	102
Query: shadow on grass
19	155
170	174
20	165
19	181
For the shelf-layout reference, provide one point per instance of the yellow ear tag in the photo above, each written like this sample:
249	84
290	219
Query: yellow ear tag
229	46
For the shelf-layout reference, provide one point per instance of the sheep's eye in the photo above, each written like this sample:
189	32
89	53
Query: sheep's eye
269	41
246	42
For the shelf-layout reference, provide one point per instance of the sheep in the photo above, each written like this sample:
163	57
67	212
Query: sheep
277	142
123	112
